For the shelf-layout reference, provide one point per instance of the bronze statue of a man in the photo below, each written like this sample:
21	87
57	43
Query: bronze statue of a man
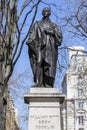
44	39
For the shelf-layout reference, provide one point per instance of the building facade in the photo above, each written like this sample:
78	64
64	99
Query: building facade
74	109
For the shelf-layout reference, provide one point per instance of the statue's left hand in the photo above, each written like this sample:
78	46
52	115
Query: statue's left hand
49	32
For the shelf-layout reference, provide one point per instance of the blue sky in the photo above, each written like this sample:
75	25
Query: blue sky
23	64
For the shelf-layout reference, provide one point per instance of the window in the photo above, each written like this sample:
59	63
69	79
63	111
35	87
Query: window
80	120
80	81
80	105
80	69
80	92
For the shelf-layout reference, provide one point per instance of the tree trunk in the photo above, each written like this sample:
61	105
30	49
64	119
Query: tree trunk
2	115
3	102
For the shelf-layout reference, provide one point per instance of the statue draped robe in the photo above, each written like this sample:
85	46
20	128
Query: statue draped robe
44	39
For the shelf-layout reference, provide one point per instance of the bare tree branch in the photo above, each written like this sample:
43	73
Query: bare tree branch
36	8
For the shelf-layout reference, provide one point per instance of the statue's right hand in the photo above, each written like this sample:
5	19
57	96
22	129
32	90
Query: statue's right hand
28	42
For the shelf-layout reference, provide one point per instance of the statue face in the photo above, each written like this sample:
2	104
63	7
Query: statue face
46	12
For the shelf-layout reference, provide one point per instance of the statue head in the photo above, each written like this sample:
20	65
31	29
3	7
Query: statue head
46	12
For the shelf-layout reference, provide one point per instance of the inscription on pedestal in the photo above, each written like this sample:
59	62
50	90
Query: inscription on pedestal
44	109
44	122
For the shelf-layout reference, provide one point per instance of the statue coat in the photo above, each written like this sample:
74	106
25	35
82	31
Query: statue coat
44	39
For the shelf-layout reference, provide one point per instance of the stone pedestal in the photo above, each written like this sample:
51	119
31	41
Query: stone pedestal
44	108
